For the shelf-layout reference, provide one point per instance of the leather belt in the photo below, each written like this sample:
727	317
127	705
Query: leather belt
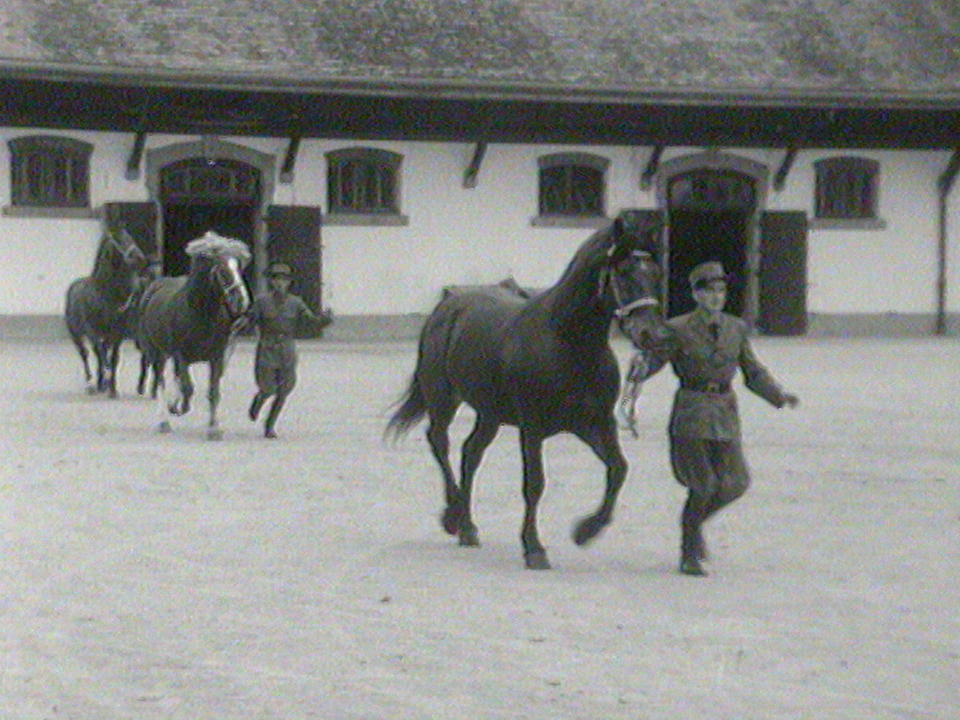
715	387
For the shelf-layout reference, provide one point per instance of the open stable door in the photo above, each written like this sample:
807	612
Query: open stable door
782	301
293	237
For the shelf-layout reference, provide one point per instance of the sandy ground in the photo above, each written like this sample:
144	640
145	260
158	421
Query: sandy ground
148	576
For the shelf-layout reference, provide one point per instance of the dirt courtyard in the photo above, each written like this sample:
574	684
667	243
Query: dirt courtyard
147	576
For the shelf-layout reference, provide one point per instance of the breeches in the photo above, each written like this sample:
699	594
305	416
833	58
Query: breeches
710	468
276	379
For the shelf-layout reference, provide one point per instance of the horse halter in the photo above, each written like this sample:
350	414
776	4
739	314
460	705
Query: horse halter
625	307
127	249
229	282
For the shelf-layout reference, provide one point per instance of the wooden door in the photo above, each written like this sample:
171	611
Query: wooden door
293	237
782	292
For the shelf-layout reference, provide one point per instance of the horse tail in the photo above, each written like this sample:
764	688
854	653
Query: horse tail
413	408
434	345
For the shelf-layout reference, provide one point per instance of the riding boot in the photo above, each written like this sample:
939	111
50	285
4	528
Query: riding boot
690	549
269	431
258	400
692	546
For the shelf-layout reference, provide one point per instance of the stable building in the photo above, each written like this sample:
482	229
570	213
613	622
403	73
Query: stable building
387	150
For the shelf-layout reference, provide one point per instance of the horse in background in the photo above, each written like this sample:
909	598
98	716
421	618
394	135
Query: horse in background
97	307
541	363
153	270
191	318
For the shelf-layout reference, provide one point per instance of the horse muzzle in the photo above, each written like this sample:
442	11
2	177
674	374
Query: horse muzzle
237	300
645	327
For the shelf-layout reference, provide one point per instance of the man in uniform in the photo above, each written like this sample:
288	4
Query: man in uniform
706	452
277	313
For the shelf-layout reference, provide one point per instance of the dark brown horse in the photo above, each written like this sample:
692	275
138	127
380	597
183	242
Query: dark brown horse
191	318
543	364
97	307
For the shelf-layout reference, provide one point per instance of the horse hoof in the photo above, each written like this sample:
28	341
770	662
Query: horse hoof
469	538
164	428
214	434
537	560
587	529
691	566
451	520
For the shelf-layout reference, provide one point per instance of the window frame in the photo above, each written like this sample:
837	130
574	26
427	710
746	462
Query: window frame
854	183
570	162
384	167
49	176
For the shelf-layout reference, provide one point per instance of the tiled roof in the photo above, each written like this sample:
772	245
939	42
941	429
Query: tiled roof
598	48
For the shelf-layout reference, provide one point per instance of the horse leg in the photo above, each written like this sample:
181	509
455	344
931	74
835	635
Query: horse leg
85	358
113	354
214	432
440	418
142	379
531	446
159	369
103	363
483	433
184	384
602	439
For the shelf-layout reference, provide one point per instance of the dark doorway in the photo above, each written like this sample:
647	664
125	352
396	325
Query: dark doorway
202	194
183	222
697	236
709	213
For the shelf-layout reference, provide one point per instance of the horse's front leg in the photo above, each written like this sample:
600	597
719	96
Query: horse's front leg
81	346
531	446
214	432
184	385
159	369
102	350
602	439
113	355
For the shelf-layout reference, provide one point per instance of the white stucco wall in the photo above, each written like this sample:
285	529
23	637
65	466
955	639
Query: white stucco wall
465	236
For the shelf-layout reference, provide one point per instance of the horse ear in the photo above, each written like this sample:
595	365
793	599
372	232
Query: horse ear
622	239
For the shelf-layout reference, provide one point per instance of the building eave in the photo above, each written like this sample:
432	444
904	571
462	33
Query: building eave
458	89
84	97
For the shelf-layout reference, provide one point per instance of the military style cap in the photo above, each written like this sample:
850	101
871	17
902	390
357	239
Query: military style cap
279	269
708	272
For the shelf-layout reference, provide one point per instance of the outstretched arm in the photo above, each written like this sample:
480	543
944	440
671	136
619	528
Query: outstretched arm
759	380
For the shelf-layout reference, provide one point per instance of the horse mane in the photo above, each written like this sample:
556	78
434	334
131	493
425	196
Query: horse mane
214	245
591	254
578	289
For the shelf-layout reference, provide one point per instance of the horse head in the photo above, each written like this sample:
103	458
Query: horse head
125	250
631	281
226	258
226	273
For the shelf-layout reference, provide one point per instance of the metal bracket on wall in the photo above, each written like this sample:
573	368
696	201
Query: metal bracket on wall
653	163
290	161
471	174
136	157
780	178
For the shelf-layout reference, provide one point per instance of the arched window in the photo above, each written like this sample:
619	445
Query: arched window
363	182
49	172
572	185
846	188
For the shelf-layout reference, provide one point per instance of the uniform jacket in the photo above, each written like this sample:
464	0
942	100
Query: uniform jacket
705	405
277	319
